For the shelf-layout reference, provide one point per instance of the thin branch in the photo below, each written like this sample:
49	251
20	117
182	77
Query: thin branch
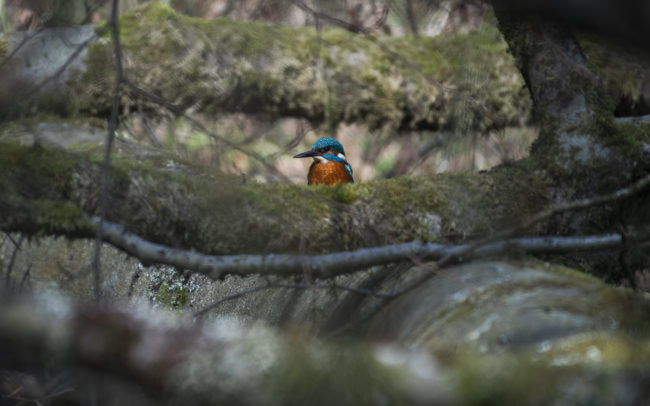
411	17
14	242
234	146
28	36
26	276
112	127
354	323
230	298
631	190
134	279
633	120
359	29
8	237
174	108
151	133
180	110
272	285
13	259
356	28
331	265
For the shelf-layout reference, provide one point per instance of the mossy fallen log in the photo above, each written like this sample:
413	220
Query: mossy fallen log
52	191
220	65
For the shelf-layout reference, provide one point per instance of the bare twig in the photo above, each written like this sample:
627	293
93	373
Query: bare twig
360	320
234	146
174	108
633	120
134	280
356	28
411	17
180	110
25	278
28	36
10	267
14	242
272	285
112	127
151	133
360	29
230	298
631	190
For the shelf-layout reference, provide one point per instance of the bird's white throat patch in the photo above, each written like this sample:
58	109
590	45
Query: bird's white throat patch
324	160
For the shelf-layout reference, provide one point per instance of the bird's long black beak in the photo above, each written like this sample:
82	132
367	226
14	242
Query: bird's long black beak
306	154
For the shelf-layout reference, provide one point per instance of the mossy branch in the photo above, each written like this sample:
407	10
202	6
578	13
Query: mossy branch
50	191
194	363
328	76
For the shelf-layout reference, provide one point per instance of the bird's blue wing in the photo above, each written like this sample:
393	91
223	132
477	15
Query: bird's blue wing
349	169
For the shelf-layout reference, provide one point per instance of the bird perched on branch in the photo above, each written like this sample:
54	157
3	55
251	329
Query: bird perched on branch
329	167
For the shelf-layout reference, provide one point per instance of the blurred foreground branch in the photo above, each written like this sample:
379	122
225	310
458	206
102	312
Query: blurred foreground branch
217	362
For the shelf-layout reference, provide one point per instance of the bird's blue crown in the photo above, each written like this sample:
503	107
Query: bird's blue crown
329	143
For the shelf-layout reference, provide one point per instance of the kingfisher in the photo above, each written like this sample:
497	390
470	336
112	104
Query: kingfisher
329	167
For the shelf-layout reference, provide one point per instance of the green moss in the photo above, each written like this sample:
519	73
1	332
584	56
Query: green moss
345	193
175	205
38	167
98	73
198	140
614	350
31	174
622	71
173	290
249	39
51	216
630	137
172	297
278	70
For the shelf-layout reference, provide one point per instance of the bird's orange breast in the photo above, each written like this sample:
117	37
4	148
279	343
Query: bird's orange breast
330	173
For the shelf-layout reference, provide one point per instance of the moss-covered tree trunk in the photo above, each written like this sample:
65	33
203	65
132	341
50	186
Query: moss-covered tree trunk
576	80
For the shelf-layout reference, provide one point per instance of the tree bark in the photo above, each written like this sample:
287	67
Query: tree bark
575	88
